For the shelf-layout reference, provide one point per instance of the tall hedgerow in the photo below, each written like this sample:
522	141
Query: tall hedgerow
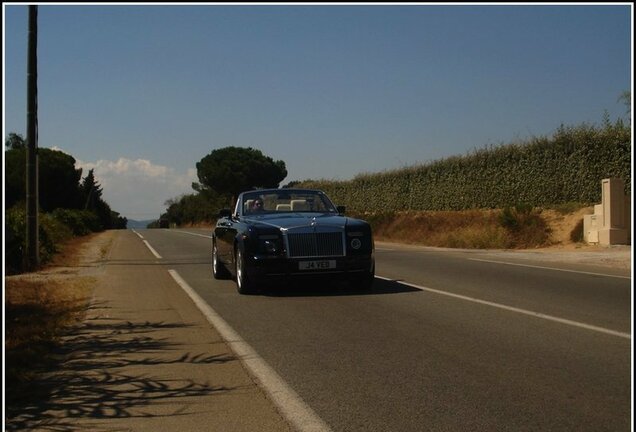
567	167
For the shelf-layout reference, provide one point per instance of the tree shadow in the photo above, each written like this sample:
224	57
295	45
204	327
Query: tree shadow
104	369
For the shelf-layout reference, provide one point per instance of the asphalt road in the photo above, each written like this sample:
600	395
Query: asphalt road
446	341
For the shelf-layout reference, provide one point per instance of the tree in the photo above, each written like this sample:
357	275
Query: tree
626	98
231	170
15	141
58	180
91	191
193	208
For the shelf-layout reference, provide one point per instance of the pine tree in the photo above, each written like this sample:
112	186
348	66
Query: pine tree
91	190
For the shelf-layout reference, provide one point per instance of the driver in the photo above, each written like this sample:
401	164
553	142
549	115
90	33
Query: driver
257	206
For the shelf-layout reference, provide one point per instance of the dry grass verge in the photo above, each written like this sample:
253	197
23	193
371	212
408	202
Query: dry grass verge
38	312
513	228
480	229
40	309
467	229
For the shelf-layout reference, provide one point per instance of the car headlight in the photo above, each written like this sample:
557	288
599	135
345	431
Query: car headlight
356	243
359	240
271	244
355	239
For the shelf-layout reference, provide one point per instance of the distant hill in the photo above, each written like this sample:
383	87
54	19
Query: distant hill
134	224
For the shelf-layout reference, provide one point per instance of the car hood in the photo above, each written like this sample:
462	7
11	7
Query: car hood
289	221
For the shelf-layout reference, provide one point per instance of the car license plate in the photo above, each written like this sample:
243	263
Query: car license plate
317	265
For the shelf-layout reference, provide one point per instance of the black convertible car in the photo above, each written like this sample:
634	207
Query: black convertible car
276	234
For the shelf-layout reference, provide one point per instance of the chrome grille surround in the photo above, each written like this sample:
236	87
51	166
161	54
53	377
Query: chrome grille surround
315	244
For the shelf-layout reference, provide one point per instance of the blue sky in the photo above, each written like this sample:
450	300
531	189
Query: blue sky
142	93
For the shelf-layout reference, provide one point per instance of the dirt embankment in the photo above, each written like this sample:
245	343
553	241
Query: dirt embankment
562	226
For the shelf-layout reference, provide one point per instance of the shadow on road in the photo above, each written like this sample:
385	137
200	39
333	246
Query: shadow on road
109	369
306	286
318	288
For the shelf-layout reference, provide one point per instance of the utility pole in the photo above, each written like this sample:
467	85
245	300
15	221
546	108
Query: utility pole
32	246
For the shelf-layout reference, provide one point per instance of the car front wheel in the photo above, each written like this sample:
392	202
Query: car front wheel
244	283
218	269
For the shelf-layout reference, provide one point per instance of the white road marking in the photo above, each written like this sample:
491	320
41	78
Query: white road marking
194	234
288	402
550	268
154	252
514	309
501	306
140	236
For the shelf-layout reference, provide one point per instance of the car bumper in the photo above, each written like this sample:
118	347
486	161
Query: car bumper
271	268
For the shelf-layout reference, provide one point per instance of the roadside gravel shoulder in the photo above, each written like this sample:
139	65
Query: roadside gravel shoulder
618	257
615	257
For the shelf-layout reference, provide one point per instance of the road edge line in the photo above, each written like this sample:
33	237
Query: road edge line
550	268
514	309
287	401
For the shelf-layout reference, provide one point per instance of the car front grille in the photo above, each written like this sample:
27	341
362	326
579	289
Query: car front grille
315	244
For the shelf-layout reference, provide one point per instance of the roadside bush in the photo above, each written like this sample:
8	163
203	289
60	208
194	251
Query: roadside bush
576	235
15	239
525	226
154	224
81	222
514	218
51	233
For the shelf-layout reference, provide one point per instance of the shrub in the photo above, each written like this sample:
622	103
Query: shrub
508	218
525	226
576	235
81	222
517	217
15	239
51	233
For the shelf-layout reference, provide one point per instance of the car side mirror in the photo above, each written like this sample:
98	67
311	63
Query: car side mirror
225	213
341	209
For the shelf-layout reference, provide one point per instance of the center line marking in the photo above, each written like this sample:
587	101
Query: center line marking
193	234
514	309
289	403
154	252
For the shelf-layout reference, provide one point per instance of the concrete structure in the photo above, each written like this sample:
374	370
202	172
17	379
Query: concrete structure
611	222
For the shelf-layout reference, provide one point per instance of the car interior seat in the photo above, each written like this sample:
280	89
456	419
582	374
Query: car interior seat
299	205
249	204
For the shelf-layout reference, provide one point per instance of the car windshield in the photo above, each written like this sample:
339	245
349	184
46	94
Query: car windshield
280	201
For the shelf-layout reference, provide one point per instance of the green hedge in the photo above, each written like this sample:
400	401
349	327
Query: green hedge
52	232
54	229
568	167
81	222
